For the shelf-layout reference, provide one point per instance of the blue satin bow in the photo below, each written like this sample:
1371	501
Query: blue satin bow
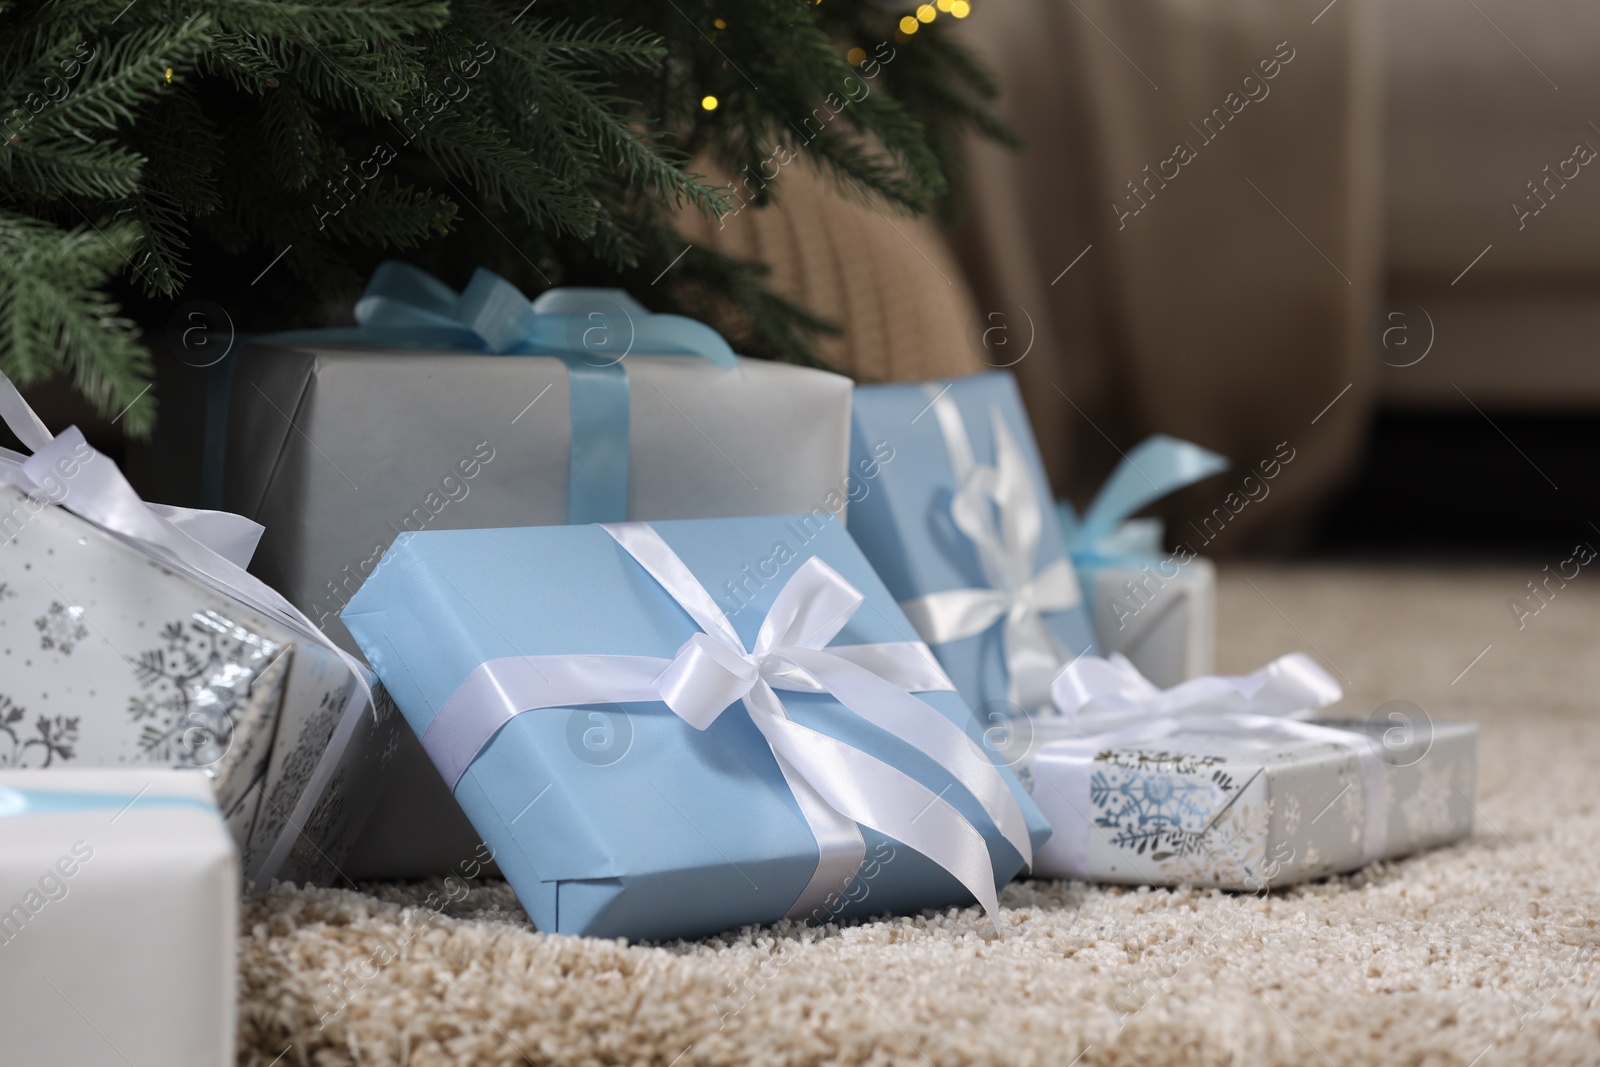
1155	467
590	330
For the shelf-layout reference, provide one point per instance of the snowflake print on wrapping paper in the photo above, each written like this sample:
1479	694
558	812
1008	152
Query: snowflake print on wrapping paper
1155	802
57	735
61	628
201	672
299	765
1231	853
1427	812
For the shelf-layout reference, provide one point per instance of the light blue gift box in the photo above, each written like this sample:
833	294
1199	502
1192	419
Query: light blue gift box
623	820
905	528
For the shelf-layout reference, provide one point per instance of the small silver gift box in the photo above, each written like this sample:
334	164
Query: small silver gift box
1249	808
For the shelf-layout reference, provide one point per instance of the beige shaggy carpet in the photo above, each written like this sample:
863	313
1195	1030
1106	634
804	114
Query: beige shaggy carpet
1486	953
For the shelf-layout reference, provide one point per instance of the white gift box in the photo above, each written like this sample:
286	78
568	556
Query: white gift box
109	657
1162	615
119	898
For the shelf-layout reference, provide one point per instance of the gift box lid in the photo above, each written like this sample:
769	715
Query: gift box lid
623	819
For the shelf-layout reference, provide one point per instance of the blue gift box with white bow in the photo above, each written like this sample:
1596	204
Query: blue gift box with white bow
964	531
483	408
648	757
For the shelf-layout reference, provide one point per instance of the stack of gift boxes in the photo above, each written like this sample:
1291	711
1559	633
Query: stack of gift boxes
684	641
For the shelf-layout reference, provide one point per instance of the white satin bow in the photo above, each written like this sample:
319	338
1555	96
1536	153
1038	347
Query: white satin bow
836	785
1107	703
1006	550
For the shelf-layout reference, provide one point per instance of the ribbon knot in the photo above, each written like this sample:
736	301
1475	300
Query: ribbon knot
711	672
592	331
999	511
705	677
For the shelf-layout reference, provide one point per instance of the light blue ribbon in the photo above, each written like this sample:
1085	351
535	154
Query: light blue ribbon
590	330
18	802
1107	534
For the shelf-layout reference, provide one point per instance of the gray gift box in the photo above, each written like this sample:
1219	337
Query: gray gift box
1166	626
1249	810
335	450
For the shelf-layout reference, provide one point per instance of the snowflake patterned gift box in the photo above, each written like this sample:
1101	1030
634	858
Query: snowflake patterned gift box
650	760
119	901
110	658
119	647
1215	783
962	528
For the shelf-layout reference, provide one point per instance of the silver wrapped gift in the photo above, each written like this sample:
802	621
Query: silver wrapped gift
1161	614
113	658
130	634
1230	782
337	443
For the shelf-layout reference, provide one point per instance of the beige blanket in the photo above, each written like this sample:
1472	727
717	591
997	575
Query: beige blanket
1193	235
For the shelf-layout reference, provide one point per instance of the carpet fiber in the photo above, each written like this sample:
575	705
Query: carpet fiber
1486	953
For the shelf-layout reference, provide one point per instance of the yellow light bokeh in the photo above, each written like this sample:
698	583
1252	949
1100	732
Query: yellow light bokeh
927	13
856	56
908	25
944	5
708	102
960	8
719	24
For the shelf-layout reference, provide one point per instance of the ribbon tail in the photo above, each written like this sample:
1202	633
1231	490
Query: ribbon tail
908	665
1154	468
233	537
868	791
1033	659
1017	503
21	419
840	847
903	715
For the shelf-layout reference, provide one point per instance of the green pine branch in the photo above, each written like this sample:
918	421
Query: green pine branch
55	315
173	149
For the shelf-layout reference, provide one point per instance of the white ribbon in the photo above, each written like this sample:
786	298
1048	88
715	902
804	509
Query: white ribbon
1107	703
1016	593
837	786
209	547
